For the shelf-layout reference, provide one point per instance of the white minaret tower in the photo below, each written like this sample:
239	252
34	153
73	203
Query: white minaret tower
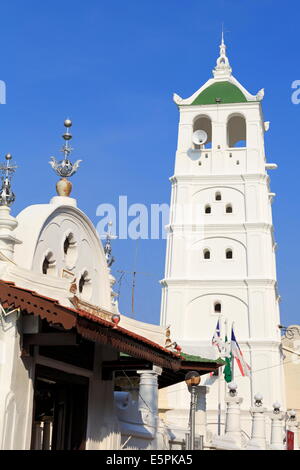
220	259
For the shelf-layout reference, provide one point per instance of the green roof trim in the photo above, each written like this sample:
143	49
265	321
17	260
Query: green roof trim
225	91
190	358
121	354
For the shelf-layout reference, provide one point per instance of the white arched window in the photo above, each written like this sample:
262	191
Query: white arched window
229	209
236	131
207	209
217	307
206	253
229	253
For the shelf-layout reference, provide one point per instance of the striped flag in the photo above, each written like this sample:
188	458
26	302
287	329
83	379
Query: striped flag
238	355
216	339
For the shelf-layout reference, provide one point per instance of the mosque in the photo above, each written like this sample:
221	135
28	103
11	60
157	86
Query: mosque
75	373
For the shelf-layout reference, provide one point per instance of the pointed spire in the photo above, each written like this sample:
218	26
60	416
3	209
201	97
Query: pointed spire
7	222
222	69
7	196
65	168
108	248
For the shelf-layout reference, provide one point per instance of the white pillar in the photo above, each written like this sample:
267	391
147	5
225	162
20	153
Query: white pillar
200	418
277	432
148	399
233	419
7	226
258	435
47	435
232	439
38	435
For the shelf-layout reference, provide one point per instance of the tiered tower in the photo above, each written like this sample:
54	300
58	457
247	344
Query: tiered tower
220	258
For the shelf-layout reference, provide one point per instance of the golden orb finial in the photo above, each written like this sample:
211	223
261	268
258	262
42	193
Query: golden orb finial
8	156
68	123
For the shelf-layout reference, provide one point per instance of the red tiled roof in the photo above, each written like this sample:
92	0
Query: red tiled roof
88	325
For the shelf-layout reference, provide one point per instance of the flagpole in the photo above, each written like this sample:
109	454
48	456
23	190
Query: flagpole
232	368
225	355
219	388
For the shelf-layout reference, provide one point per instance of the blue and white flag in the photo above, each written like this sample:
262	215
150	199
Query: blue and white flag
216	339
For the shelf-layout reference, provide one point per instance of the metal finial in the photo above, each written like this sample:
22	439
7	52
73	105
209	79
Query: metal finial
222	68
67	136
108	248
68	123
7	197
65	168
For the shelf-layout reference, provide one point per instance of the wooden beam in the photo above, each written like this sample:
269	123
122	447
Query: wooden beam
49	339
127	365
204	366
108	367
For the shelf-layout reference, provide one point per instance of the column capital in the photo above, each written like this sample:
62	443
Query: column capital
277	416
258	410
234	400
158	370
154	372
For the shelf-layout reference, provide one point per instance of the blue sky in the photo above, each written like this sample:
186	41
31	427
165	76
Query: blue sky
112	67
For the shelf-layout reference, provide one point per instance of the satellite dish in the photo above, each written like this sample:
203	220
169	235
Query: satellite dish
199	137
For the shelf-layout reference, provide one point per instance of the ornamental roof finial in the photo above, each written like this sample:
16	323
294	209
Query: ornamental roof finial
110	259
65	168
7	197
222	68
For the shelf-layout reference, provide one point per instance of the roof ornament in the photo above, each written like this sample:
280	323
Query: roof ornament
222	69
260	95
110	259
7	197
65	168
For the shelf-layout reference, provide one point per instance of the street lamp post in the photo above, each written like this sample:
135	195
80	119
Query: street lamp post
192	379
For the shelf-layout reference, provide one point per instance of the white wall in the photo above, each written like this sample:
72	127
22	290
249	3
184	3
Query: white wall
16	389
